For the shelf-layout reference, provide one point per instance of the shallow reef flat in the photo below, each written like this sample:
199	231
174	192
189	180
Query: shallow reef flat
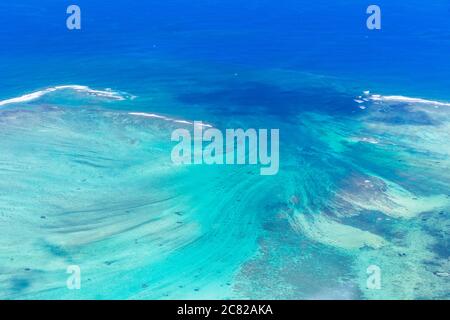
86	182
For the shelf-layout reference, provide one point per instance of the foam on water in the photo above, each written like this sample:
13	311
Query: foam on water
377	97
83	89
152	115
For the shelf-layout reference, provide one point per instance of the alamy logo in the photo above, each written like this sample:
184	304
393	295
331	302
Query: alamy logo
374	20
73	22
374	277
237	147
74	280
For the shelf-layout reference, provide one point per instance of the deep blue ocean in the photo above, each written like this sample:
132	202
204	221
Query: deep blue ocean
86	177
123	41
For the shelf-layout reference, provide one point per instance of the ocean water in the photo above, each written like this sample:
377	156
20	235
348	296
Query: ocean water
86	176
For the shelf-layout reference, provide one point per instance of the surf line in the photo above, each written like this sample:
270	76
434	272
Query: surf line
395	98
210	146
108	93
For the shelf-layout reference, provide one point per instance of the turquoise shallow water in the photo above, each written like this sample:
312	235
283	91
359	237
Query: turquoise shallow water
86	182
86	176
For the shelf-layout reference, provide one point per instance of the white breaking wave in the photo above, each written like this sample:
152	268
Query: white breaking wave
108	93
152	115
377	97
